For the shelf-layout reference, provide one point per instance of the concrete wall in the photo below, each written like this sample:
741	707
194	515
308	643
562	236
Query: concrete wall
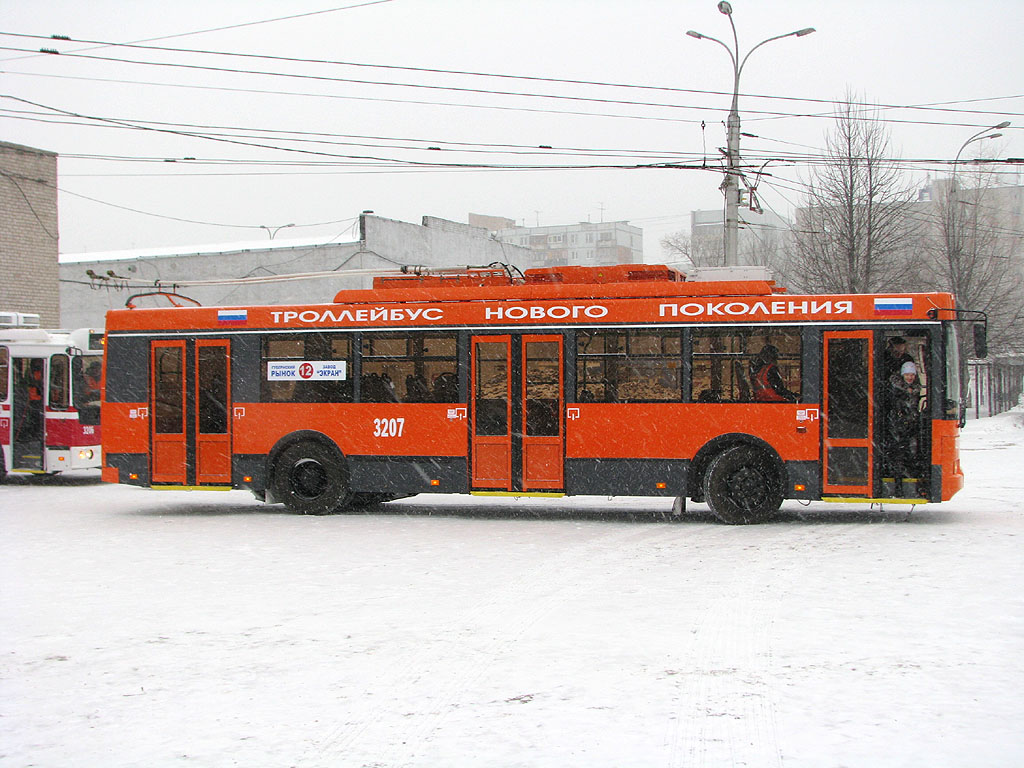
385	245
85	300
28	233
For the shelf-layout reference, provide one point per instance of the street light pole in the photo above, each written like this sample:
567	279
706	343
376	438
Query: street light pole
955	248
731	184
274	230
954	245
977	137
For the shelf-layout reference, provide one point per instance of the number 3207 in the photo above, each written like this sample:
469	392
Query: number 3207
388	427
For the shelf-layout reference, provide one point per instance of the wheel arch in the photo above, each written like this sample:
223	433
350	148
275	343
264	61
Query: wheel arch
292	438
720	444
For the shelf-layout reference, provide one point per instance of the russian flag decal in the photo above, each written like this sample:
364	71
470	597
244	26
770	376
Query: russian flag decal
897	306
232	315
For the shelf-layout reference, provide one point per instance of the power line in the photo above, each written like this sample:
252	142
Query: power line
675	160
310	137
315	153
64	191
936	106
373	99
212	29
765	115
14	181
384	83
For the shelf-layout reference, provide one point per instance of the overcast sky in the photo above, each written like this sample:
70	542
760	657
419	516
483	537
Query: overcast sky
316	148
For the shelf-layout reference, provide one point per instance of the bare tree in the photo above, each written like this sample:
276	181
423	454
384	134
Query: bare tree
700	250
854	234
758	245
974	252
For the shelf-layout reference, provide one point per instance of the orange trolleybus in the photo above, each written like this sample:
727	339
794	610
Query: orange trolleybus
622	380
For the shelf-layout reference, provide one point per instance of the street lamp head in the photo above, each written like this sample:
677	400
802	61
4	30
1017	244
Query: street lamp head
724	7
1004	124
805	31
696	35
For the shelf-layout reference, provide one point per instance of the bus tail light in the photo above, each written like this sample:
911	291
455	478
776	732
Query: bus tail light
660	486
799	487
435	482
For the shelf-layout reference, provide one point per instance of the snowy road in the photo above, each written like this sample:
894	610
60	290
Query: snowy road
140	628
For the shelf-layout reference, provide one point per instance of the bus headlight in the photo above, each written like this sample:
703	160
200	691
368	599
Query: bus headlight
85	454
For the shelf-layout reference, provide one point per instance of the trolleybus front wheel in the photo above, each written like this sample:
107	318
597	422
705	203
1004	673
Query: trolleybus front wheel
311	480
742	486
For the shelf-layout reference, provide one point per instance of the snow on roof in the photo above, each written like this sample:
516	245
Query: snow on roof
196	250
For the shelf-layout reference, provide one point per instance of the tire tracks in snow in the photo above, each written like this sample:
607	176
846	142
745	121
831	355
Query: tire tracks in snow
494	623
727	703
728	699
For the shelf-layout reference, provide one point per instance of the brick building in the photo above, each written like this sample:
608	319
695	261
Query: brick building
28	233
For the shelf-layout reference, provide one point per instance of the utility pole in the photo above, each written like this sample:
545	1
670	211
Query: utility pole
733	170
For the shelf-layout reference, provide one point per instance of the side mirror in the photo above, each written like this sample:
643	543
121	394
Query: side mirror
980	340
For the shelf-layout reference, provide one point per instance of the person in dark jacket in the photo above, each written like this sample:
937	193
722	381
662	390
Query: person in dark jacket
766	380
895	356
903	425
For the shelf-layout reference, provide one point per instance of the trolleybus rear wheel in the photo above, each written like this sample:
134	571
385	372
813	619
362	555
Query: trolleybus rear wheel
311	480
742	486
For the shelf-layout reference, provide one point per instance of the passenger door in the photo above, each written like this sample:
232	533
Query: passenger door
517	420
190	412
28	415
848	426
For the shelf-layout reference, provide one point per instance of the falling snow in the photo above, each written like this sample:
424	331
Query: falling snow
141	628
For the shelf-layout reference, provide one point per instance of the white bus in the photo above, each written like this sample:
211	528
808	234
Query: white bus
50	385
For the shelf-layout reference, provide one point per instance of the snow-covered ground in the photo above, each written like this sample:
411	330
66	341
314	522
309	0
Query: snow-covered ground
144	628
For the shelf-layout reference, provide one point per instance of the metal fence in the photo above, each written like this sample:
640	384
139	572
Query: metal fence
994	385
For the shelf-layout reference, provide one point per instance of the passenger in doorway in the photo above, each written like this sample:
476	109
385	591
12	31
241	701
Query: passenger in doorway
903	425
895	356
34	384
766	379
93	374
29	419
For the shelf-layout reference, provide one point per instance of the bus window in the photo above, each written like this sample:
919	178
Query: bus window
952	404
5	370
59	383
213	390
628	366
723	360
417	368
168	413
543	396
312	348
86	374
491	387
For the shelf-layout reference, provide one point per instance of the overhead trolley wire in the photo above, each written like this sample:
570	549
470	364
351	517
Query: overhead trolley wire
666	159
936	106
223	28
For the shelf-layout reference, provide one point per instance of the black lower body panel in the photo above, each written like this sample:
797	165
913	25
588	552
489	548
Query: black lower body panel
408	474
626	477
128	464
